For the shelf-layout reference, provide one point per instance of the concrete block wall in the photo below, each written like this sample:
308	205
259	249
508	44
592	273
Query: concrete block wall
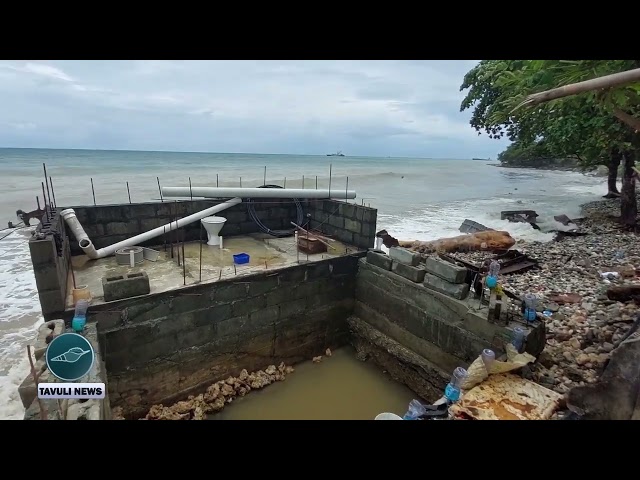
50	259
163	347
428	322
347	222
108	224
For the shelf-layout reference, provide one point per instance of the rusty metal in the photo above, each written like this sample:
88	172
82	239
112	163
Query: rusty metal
507	397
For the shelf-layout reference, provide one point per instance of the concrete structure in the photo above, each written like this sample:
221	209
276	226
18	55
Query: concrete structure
420	335
196	326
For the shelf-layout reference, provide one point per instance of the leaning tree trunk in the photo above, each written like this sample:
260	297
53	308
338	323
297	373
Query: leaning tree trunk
612	166
628	203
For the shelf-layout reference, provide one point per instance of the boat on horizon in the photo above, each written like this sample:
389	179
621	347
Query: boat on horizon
337	154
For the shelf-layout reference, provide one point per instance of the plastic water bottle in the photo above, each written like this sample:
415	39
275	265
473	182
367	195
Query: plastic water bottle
80	316
488	357
452	391
492	277
518	338
530	302
414	411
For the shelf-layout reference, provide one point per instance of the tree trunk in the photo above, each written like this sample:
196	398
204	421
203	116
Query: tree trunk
628	203
613	165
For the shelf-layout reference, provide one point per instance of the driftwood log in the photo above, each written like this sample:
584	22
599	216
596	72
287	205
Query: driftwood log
489	240
624	293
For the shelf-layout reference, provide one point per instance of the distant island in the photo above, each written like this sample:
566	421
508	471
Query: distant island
337	154
485	159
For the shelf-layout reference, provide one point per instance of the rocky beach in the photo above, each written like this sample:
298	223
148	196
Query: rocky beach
585	325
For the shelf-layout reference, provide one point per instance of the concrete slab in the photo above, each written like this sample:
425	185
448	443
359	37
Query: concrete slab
265	252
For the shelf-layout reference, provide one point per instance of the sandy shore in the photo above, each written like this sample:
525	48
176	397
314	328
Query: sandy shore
581	335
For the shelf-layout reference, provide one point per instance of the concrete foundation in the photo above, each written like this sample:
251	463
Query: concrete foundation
192	323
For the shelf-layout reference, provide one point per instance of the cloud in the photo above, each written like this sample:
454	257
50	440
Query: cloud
361	107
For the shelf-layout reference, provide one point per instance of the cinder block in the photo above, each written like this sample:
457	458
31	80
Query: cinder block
125	286
353	226
455	290
405	256
446	270
42	251
379	259
415	274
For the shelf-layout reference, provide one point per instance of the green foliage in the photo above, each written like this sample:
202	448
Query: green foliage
580	126
534	155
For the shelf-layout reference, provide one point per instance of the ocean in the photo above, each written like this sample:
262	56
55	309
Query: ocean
417	199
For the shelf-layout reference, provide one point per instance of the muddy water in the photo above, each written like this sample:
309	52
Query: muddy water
339	388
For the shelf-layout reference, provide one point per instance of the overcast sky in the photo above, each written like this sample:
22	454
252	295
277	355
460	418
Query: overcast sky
379	108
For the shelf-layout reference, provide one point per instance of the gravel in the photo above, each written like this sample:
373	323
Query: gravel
582	335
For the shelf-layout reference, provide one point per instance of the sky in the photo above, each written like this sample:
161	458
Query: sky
363	108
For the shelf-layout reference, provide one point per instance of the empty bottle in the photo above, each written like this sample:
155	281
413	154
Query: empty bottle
80	316
517	339
488	357
492	277
530	302
452	391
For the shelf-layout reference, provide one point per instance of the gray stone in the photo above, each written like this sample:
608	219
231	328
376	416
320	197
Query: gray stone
446	270
47	330
455	290
415	274
379	260
405	256
125	286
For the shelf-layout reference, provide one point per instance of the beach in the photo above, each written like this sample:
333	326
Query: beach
417	199
583	332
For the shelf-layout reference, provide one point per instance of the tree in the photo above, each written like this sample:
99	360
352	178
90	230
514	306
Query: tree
585	126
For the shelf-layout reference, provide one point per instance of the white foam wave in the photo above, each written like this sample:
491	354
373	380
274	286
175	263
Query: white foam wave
20	319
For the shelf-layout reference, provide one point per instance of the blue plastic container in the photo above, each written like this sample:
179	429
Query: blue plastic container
491	282
78	323
241	258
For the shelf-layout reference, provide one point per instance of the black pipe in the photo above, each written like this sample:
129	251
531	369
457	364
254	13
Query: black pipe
46	180
159	189
128	192
201	251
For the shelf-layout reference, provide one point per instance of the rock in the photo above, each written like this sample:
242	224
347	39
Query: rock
317	359
545	360
607	347
566	298
582	359
219	394
328	352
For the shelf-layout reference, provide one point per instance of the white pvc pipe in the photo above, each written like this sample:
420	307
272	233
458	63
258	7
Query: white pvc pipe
224	192
88	248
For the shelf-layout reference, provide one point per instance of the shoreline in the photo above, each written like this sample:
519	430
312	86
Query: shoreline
580	335
547	168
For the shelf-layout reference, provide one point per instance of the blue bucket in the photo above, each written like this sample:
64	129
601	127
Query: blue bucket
241	258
